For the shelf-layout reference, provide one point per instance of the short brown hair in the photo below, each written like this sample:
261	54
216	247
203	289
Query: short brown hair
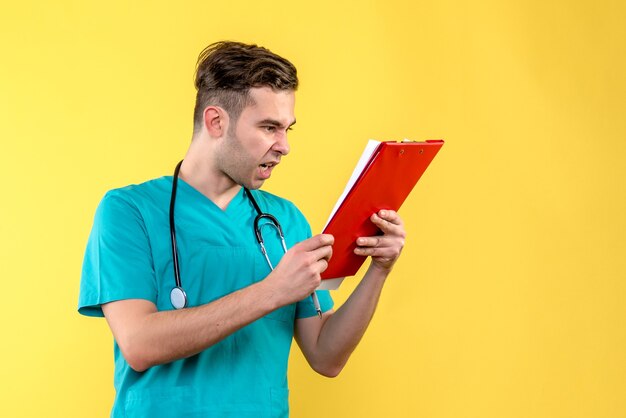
226	71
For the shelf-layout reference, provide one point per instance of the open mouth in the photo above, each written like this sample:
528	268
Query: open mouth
265	169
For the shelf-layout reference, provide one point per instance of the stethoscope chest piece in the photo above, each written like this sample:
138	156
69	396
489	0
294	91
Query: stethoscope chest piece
178	297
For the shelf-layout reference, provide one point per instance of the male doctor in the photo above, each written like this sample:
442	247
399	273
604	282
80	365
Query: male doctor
225	353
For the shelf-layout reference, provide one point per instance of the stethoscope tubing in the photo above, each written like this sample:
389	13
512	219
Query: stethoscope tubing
178	297
173	226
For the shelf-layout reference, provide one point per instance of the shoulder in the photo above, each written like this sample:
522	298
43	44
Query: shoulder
135	193
134	200
138	195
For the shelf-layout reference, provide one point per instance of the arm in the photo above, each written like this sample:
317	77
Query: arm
328	344
148	337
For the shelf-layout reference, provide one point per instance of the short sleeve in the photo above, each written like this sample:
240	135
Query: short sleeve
305	308
118	259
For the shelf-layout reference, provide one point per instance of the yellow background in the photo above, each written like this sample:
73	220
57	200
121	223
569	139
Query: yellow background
510	298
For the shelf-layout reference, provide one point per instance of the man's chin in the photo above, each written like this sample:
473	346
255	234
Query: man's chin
254	184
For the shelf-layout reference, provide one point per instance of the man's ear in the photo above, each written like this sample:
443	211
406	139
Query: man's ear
216	121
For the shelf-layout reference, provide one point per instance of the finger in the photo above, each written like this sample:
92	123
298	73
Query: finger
322	265
380	252
368	241
395	243
380	242
316	242
390	216
322	253
388	227
365	251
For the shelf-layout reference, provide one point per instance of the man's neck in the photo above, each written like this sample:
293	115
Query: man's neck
203	177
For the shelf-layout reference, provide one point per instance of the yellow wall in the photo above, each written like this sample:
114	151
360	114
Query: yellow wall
510	298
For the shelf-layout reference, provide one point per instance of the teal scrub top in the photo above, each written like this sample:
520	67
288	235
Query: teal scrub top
129	256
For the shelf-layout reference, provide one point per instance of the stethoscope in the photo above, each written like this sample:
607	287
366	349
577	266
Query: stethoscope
178	297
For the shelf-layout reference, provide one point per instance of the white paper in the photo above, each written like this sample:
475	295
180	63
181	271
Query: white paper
360	166
330	284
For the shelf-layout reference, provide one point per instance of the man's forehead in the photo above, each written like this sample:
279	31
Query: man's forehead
268	104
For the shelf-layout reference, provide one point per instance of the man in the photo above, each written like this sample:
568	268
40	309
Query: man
225	354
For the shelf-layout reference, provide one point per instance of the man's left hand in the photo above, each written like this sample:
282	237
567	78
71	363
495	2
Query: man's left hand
384	249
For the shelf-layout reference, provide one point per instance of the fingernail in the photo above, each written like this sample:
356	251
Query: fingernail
383	213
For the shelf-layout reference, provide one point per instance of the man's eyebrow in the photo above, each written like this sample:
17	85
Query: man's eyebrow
276	123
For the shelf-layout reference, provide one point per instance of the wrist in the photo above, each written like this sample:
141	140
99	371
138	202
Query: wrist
379	271
269	294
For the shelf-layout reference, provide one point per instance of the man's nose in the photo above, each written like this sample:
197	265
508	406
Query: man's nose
282	145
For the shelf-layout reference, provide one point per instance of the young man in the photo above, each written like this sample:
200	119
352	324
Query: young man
224	354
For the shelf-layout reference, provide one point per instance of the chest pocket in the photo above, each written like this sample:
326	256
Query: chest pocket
211	272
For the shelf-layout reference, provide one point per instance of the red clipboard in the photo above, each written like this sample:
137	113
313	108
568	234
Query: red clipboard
385	182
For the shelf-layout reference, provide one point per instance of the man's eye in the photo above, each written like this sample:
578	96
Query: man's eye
270	128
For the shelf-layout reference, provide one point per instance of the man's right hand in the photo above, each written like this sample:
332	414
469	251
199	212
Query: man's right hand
298	273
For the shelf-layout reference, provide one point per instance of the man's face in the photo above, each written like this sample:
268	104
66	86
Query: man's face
254	146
